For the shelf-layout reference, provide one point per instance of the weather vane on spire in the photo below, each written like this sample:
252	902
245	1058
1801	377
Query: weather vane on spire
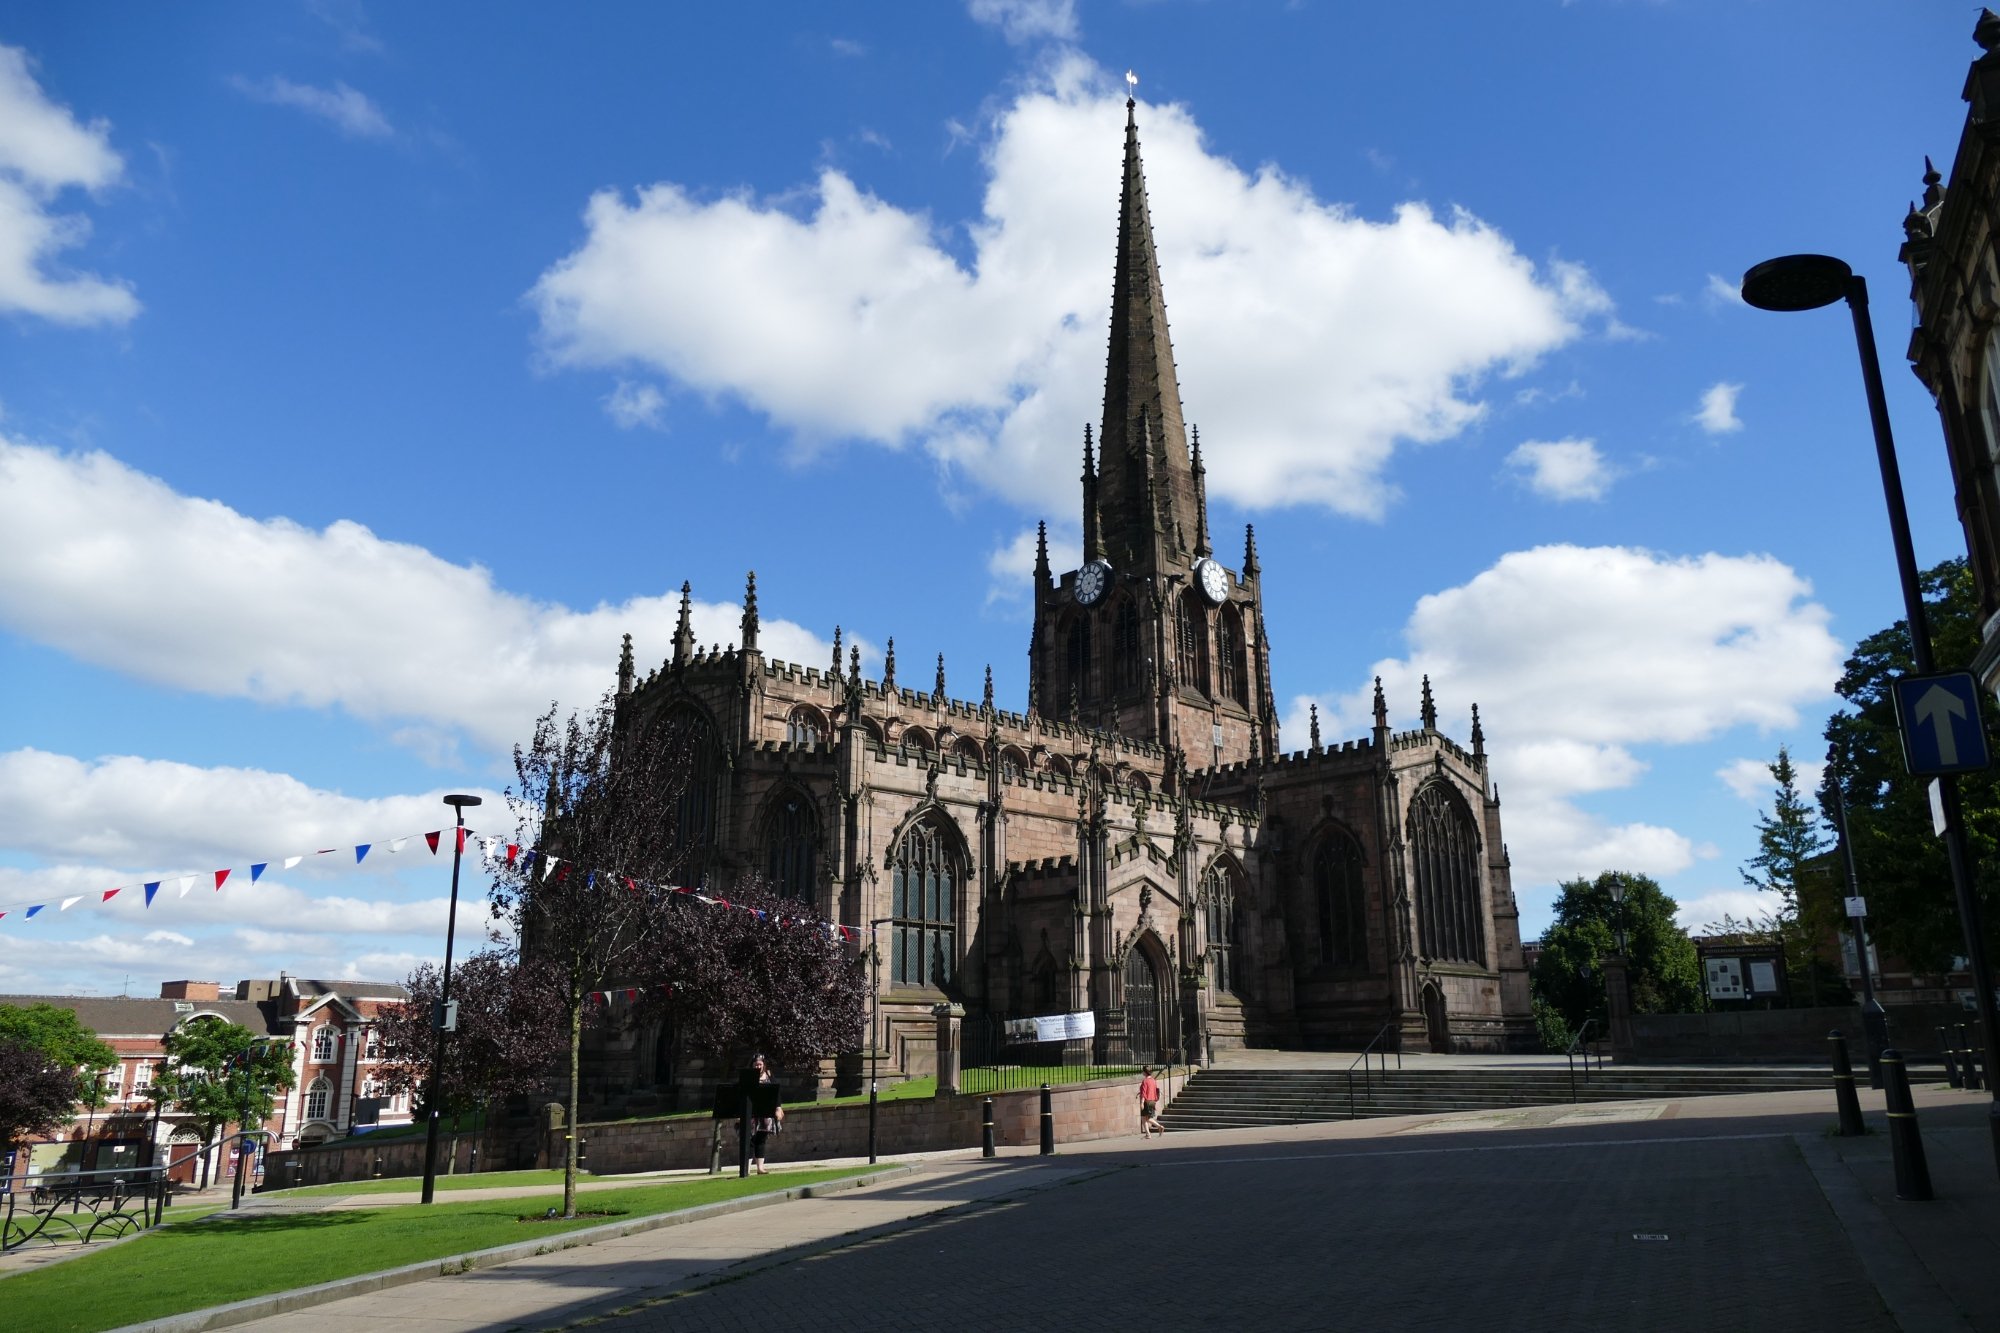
1131	85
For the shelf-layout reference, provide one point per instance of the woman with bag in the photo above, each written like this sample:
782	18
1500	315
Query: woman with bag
762	1127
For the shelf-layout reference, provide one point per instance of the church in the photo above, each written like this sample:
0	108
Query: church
1133	842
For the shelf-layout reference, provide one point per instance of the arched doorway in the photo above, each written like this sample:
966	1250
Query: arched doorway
1142	1007
1436	1026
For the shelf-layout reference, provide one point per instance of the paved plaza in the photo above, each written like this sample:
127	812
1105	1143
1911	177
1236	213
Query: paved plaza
1739	1212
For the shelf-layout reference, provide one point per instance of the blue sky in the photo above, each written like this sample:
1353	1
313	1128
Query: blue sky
367	371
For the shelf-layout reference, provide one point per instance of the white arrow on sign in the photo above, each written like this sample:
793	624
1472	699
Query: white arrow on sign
1938	707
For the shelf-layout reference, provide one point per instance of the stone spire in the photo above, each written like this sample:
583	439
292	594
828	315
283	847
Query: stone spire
750	614
1142	445
835	669
1430	708
1250	566
625	668
1478	736
986	701
684	629
937	691
1042	579
854	662
1933	184
1200	496
1313	712
889	667
1381	714
1093	545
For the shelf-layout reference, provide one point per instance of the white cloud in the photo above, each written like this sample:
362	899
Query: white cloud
1311	342
633	405
345	109
1751	780
1717	414
1703	644
44	150
1021	21
115	568
1011	567
1696	915
1567	469
1721	291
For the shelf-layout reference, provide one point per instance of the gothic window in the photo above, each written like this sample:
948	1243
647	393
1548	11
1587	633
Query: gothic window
968	749
1444	845
1218	893
793	847
1230	657
1191	642
1343	926
916	738
1082	678
694	808
1127	673
1059	766
923	907
805	727
317	1098
1989	401
1013	764
322	1044
873	728
1138	780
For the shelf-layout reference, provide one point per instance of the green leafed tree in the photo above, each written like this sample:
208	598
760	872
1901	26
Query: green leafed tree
219	1073
1664	972
1899	860
58	1034
1792	865
60	1064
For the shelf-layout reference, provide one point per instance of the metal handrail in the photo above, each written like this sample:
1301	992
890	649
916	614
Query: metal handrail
1367	1080
1580	1042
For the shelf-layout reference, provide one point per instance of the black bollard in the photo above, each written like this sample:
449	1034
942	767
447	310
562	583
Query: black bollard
986	1129
1843	1088
874	1102
1048	1123
1913	1174
1968	1059
582	1155
1951	1075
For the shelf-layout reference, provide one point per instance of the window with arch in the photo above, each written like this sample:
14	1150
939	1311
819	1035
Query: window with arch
1137	779
322	1044
792	852
1059	766
968	749
1191	642
1444	847
1218	895
1013	764
923	906
1127	657
1337	889
318	1095
1082	679
1230	659
805	726
916	738
694	808
874	730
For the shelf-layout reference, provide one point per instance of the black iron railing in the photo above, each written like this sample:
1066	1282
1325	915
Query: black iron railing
988	1062
1579	1045
1378	1046
78	1207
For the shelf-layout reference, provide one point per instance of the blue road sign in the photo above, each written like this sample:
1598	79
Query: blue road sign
1938	716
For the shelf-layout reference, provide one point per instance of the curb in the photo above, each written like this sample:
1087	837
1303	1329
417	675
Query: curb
284	1302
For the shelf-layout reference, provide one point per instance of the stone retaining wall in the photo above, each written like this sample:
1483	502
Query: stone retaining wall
1783	1034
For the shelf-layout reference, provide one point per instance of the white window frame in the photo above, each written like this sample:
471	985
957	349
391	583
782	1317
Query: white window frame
323	1038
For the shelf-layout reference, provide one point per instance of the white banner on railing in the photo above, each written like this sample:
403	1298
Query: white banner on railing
1052	1027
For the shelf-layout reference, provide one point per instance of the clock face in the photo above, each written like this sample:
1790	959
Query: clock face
1213	580
1091	582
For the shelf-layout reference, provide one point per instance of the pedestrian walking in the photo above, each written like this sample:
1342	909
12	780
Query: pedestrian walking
763	1126
1149	1104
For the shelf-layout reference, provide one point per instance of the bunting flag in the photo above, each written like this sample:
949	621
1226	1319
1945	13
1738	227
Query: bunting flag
548	864
257	871
70	902
396	845
291	861
360	851
109	894
152	887
187	882
432	839
513	850
220	875
461	841
36	908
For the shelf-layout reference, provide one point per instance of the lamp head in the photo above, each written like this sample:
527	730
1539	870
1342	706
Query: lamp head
460	802
1797	282
1617	890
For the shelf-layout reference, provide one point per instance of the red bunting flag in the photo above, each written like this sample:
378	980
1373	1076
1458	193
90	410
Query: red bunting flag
109	894
432	839
220	875
513	850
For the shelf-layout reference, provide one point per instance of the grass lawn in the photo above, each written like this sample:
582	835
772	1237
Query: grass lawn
485	1180
191	1266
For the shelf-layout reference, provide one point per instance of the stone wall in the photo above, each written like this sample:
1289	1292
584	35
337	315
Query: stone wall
1783	1034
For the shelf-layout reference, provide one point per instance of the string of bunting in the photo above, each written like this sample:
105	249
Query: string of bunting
494	850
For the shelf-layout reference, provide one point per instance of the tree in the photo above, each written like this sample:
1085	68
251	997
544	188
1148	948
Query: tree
58	1036
764	974
37	1092
1791	864
509	1034
217	1072
1664	974
603	804
1899	861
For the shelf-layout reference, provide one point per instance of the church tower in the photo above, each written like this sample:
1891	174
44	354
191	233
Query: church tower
1153	637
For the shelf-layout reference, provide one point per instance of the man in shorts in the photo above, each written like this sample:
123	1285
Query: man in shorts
1149	1104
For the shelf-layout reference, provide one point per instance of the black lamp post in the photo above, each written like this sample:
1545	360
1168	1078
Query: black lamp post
874	1024
458	804
1808	282
1874	1021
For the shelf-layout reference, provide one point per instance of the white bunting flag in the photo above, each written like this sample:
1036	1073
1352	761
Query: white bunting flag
291	861
70	902
187	882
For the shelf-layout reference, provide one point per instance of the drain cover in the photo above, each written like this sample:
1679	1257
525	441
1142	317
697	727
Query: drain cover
1649	1235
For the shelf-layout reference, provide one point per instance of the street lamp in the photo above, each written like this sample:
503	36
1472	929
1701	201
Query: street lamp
1874	1022
1617	981
874	1023
458	804
1808	282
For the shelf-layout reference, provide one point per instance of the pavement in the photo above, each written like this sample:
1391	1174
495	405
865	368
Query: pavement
1669	1214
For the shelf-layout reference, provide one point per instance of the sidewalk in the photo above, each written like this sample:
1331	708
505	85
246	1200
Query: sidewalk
1930	1264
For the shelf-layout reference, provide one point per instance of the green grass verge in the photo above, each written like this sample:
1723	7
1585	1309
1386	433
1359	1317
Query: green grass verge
485	1180
184	1267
